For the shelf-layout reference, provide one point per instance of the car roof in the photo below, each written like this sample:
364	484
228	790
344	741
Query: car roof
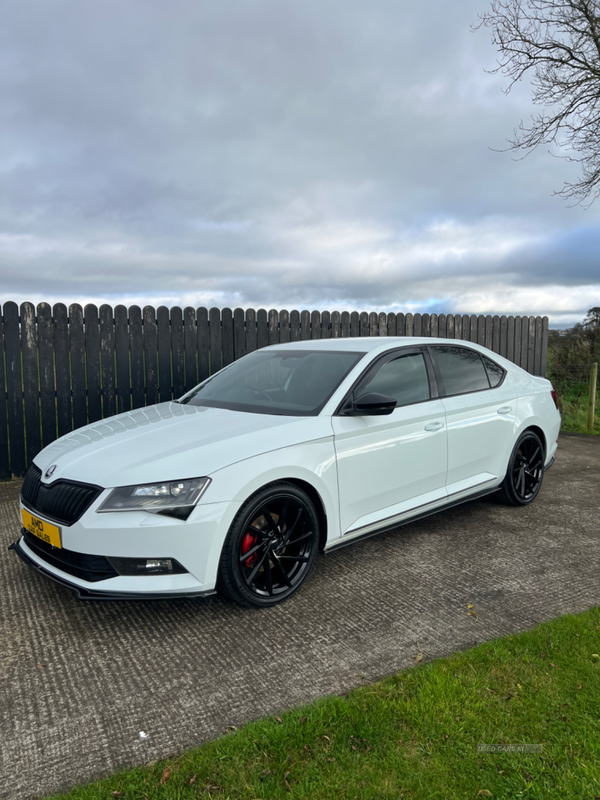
376	345
366	344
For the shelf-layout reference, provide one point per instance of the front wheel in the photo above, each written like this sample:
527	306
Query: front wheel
270	548
525	473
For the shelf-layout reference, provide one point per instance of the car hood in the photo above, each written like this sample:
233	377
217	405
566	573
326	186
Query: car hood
170	441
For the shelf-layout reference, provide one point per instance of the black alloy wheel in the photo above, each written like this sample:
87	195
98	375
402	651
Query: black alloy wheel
525	471
270	548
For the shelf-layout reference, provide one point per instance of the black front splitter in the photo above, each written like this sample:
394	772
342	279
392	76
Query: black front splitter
92	594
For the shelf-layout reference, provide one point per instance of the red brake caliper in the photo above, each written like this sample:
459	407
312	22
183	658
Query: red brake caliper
248	543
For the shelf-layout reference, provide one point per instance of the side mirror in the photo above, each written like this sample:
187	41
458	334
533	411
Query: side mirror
373	404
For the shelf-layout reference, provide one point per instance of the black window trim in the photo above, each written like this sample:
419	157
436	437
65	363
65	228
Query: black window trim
440	380
380	361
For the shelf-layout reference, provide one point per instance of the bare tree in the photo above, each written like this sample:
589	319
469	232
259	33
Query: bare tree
556	43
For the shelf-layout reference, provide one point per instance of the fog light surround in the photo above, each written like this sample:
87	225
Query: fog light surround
146	566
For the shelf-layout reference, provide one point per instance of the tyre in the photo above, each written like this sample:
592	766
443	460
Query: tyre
270	547
525	471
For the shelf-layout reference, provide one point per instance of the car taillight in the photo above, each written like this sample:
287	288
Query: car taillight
554	397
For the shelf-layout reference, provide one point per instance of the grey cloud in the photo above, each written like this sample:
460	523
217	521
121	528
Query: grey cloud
301	153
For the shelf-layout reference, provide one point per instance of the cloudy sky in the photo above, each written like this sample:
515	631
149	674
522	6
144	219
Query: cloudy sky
277	154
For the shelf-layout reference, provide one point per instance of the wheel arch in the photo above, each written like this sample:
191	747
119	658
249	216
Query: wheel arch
525	427
509	491
539	432
316	500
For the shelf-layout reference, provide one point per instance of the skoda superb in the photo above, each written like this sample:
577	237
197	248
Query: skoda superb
293	449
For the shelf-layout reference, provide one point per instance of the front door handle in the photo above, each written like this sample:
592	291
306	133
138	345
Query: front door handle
505	409
434	426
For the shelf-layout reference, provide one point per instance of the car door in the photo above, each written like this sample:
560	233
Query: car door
480	415
389	464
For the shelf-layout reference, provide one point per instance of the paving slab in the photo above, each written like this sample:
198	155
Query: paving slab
79	681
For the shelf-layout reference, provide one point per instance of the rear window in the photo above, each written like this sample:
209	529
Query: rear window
462	369
494	371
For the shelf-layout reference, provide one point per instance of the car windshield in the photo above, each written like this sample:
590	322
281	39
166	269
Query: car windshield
290	382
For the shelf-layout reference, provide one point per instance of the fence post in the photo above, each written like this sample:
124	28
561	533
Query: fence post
544	353
592	405
4	463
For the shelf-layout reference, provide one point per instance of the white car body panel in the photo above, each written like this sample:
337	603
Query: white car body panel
538	409
481	430
368	472
181	441
311	462
388	464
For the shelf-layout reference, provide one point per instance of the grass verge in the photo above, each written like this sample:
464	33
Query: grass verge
574	404
414	735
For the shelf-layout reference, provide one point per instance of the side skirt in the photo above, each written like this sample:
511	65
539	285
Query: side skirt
390	526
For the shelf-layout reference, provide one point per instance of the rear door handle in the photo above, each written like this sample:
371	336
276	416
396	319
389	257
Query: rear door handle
434	426
505	409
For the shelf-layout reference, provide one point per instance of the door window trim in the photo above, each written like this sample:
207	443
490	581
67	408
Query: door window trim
440	380
379	362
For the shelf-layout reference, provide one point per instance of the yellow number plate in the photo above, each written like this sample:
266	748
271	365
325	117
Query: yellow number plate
43	530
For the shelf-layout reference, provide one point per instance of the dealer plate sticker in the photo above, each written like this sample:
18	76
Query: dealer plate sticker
43	530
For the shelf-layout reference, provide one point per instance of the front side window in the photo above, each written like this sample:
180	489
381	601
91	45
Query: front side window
404	378
461	369
282	381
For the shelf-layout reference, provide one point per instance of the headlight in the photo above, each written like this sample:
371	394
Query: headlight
175	498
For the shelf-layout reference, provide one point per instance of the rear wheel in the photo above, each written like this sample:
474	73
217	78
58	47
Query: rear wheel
270	548
525	473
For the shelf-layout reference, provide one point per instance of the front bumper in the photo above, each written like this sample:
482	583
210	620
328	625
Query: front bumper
86	592
196	544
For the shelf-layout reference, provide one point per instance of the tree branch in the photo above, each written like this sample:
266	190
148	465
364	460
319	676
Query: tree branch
557	42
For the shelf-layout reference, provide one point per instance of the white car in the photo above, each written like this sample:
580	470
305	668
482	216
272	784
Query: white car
290	450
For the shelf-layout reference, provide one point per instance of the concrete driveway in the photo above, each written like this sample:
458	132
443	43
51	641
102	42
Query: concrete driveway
79	681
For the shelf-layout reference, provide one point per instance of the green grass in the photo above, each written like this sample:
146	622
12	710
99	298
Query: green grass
573	400
415	735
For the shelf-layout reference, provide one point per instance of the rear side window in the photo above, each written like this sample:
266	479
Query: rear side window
462	369
494	371
404	379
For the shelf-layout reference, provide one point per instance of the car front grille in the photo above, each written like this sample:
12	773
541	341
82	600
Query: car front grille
80	565
63	501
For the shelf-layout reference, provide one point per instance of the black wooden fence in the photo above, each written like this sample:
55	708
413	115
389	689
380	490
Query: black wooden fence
62	368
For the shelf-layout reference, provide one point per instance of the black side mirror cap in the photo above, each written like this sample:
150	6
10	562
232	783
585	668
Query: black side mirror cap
374	404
